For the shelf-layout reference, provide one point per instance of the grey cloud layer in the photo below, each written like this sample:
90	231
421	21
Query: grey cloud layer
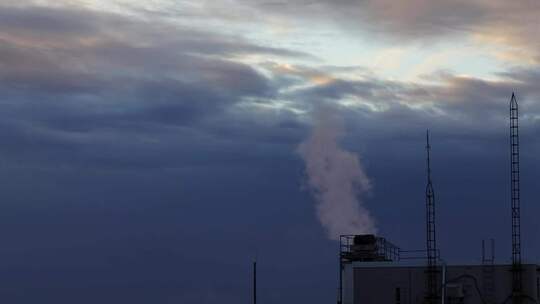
508	24
455	105
79	79
85	78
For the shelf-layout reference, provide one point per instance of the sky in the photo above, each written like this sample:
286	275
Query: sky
152	149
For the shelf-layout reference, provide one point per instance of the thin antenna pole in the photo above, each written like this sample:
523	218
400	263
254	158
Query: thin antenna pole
255	281
431	243
340	288
428	160
488	271
515	197
483	250
493	250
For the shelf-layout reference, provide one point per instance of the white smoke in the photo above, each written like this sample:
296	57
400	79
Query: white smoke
336	178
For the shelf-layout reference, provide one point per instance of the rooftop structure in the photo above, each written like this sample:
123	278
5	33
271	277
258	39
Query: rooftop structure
374	271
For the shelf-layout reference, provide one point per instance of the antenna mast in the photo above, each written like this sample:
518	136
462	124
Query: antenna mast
431	282
255	281
516	217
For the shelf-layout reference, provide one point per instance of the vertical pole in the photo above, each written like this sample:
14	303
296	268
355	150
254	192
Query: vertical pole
488	271
443	288
493	250
340	266
483	250
255	282
515	197
431	242
340	291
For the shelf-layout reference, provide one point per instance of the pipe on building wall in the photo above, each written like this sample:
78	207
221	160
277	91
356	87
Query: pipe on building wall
443	289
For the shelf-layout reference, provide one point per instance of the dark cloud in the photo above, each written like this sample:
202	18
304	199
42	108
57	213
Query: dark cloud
83	78
55	22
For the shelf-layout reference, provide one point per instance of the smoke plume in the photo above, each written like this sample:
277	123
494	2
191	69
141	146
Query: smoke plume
336	178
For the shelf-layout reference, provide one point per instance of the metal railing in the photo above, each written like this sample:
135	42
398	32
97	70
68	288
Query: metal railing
377	249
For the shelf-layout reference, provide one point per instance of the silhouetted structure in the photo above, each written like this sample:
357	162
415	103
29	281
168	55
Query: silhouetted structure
402	281
374	271
431	241
516	216
255	282
488	272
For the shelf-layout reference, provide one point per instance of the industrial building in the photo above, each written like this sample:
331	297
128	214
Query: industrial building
374	271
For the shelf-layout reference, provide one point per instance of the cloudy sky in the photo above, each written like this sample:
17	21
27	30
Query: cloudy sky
150	149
